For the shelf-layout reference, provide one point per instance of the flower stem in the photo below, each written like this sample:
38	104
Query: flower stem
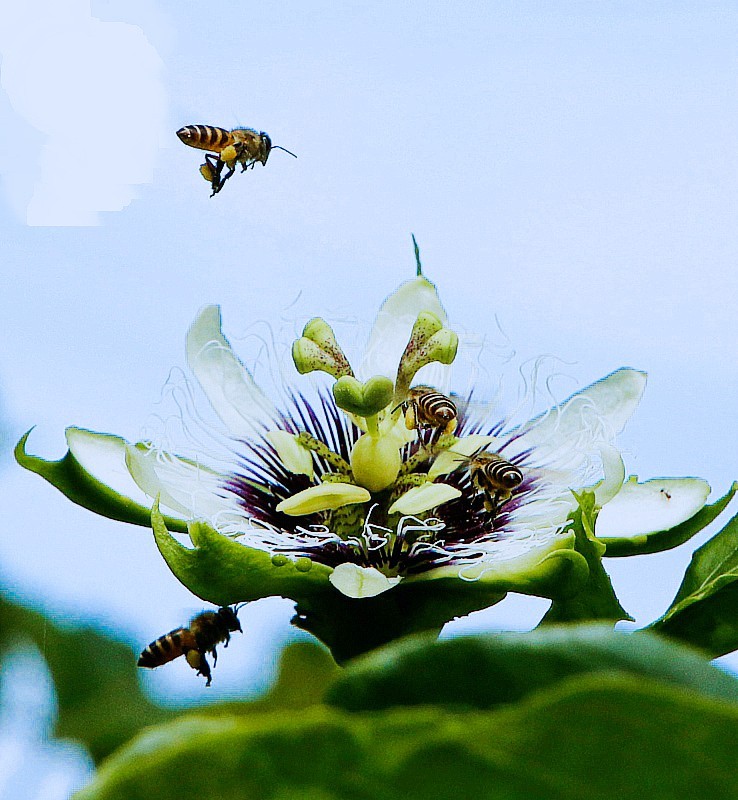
372	426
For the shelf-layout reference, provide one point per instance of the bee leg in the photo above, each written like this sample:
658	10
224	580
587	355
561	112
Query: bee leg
491	502
226	639
231	171
215	655
216	167
198	662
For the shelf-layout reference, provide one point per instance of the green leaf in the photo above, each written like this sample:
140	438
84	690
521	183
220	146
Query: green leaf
704	611
486	671
604	737
666	540
82	488
596	600
100	701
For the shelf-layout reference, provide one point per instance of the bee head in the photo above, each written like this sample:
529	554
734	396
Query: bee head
266	147
229	618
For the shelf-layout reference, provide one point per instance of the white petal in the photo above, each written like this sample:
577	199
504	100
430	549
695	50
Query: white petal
423	498
232	392
191	489
325	497
393	325
103	456
565	437
455	456
655	505
357	582
614	470
294	457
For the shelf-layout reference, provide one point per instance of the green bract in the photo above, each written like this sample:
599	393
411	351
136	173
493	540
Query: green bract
352	498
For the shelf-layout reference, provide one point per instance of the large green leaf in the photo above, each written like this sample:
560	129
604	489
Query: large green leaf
604	737
618	546
485	671
95	676
596	599
705	609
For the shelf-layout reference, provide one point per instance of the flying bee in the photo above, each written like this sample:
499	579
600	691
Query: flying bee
495	477
204	632
243	146
427	408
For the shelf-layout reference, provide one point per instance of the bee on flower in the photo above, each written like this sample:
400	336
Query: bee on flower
374	527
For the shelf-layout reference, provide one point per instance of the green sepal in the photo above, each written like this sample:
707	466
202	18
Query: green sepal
363	399
73	481
559	574
704	611
596	599
223	571
352	627
617	547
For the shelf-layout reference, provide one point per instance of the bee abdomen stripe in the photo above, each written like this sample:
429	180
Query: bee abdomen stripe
437	402
506	473
223	137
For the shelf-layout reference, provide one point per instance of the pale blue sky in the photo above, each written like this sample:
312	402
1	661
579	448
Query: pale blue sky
569	167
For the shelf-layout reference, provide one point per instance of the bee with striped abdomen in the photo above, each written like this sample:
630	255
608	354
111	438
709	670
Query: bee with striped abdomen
243	146
204	632
495	477
427	408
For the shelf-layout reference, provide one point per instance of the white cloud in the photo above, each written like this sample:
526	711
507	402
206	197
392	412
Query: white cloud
95	93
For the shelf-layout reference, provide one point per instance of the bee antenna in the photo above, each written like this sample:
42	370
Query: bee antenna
238	607
277	147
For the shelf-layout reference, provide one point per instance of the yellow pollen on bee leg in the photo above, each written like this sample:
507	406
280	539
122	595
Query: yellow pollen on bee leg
207	172
194	658
228	154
